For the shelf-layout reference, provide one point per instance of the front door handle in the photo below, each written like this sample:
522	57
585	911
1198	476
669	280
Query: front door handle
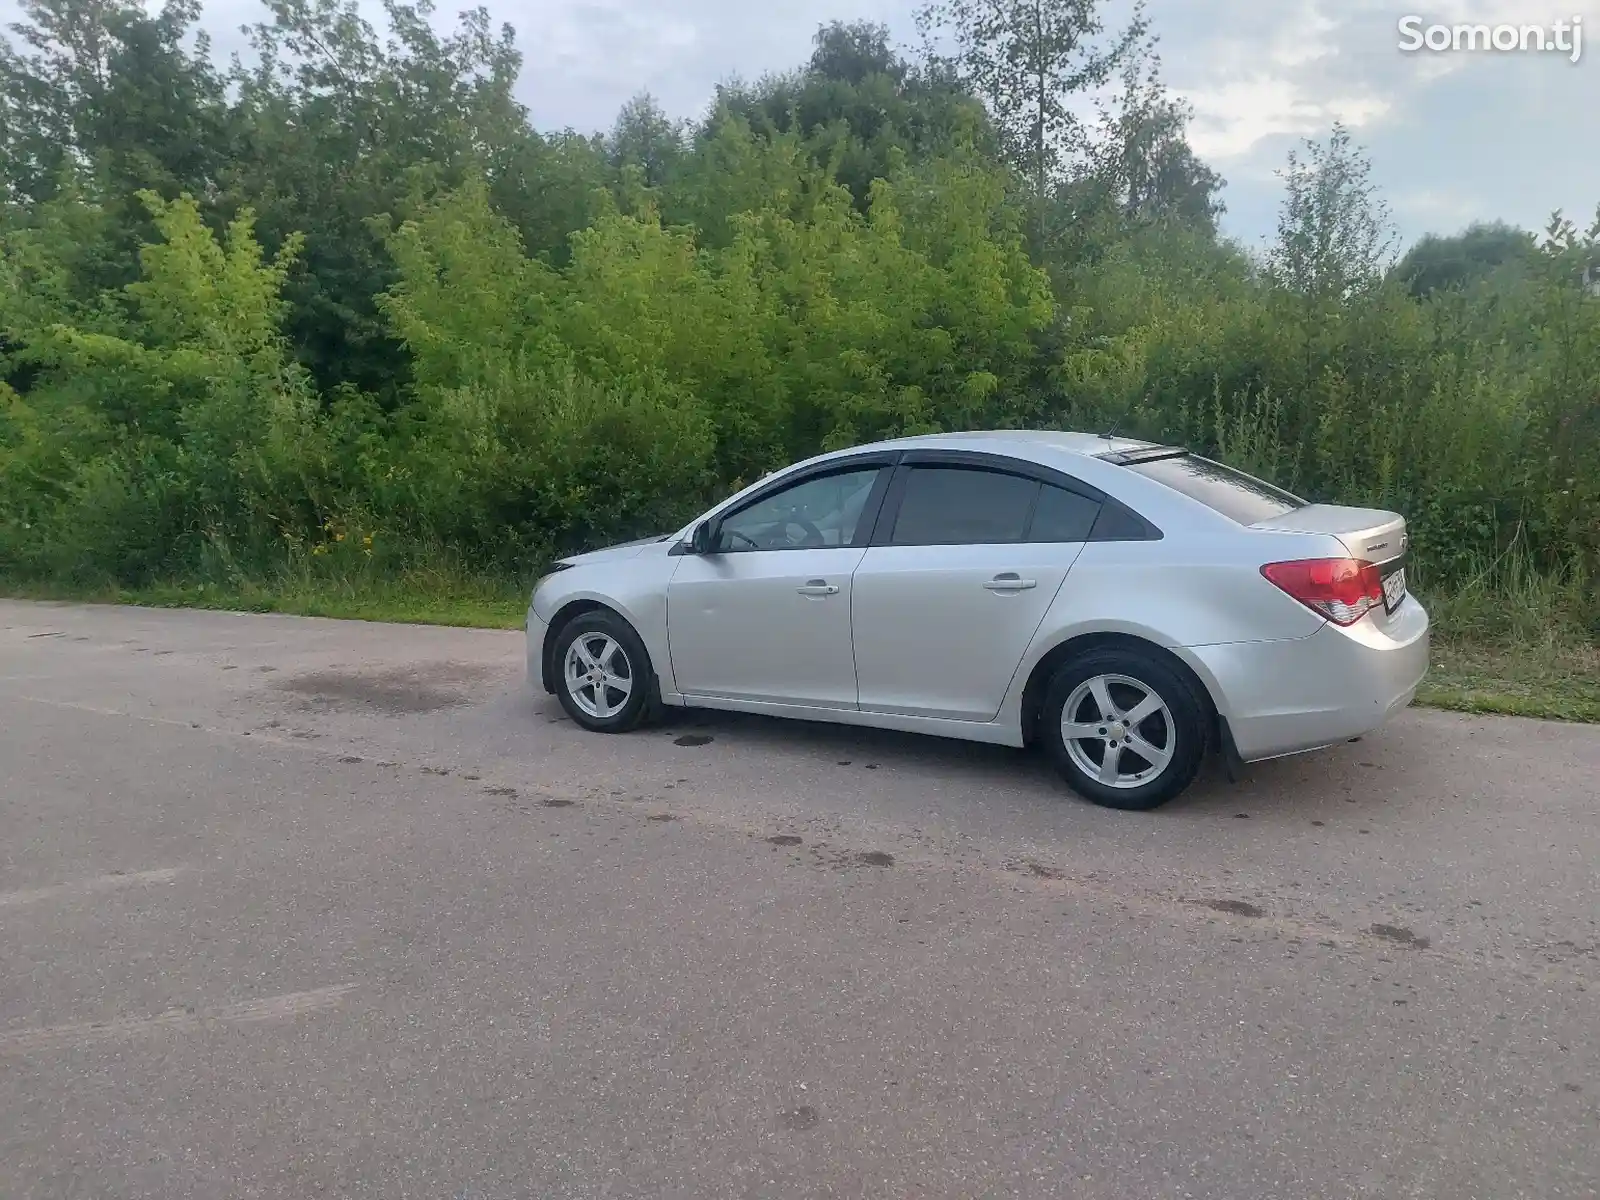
818	587
1010	581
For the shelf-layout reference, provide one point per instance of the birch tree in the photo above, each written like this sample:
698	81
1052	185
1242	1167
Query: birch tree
1030	60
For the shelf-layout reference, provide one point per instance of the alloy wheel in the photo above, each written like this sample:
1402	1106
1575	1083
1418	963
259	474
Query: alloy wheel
1118	731
598	675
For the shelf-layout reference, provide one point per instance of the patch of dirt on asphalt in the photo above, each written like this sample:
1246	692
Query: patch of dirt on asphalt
526	803
1400	934
800	1119
1237	908
1038	870
393	691
839	858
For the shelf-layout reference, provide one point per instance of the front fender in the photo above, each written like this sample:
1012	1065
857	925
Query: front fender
633	588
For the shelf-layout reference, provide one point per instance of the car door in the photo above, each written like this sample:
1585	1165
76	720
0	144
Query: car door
964	564
766	615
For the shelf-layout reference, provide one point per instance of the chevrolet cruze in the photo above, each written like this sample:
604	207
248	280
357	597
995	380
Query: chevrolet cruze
1128	607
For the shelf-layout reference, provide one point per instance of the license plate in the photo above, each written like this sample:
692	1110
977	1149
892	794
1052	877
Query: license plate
1394	589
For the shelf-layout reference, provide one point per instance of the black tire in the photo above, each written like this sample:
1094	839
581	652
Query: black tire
640	704
1183	737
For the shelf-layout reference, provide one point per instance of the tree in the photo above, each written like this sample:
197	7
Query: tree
858	108
1334	235
1027	59
61	75
1141	155
336	129
548	186
106	101
1481	250
855	52
646	138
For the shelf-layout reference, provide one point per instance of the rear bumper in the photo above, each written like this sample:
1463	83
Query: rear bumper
1282	697
537	631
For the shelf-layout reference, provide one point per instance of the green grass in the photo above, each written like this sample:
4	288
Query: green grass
1514	649
428	597
1518	641
1560	683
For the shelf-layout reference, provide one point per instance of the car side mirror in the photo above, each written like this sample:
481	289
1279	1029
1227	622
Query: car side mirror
705	537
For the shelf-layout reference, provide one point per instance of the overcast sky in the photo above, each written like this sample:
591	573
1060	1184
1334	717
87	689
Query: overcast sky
1453	137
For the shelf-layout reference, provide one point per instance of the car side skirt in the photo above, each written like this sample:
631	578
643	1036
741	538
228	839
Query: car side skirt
995	733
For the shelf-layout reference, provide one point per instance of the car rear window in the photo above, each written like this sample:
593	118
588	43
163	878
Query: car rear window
1232	493
1062	516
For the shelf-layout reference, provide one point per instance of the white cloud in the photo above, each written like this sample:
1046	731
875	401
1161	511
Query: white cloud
1232	118
1453	137
1436	207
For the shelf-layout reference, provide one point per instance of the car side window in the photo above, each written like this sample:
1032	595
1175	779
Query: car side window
819	512
1062	516
956	506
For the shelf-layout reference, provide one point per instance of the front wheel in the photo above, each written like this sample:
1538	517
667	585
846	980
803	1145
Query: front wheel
604	678
1125	729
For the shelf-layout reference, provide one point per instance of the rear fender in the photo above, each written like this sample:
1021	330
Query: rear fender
1210	591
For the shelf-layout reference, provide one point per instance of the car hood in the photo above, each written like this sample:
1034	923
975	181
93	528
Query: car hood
613	553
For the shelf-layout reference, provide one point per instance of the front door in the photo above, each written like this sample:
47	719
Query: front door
946	606
766	617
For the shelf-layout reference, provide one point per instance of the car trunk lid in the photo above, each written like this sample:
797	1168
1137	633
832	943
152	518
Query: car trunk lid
1370	534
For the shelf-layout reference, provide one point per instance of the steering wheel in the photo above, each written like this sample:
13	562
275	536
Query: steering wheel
814	536
743	537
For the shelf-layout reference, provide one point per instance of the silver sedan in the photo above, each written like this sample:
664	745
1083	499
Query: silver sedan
1128	607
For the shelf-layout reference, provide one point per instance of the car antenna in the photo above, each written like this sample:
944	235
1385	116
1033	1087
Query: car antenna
1118	423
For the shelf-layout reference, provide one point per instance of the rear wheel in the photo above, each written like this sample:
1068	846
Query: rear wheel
1125	729
603	675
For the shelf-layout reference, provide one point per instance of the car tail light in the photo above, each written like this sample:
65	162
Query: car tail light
1342	589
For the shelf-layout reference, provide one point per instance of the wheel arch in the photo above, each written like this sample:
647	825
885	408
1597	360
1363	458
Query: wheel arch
1033	692
559	620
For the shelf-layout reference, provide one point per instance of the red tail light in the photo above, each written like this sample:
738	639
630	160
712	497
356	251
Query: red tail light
1342	589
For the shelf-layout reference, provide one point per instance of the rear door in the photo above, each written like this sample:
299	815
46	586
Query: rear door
964	563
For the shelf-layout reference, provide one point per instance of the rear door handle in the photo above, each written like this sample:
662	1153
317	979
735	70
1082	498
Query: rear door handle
1010	581
818	587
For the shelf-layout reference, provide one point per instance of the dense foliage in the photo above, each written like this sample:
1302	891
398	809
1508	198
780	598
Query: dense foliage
344	307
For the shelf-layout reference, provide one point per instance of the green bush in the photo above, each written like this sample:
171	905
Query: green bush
451	344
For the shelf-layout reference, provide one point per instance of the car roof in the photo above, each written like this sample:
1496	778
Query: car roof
1090	458
1022	443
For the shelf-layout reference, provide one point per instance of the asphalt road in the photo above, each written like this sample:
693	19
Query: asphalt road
295	908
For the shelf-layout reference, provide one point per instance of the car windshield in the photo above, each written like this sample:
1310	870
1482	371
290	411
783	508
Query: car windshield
1241	497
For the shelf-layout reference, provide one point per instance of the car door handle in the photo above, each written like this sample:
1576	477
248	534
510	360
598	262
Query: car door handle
1010	582
819	587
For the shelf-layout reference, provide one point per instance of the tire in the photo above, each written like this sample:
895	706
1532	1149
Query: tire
1172	733
611	645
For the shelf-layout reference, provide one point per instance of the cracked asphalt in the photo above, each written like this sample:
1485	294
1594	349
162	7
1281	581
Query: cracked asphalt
298	908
